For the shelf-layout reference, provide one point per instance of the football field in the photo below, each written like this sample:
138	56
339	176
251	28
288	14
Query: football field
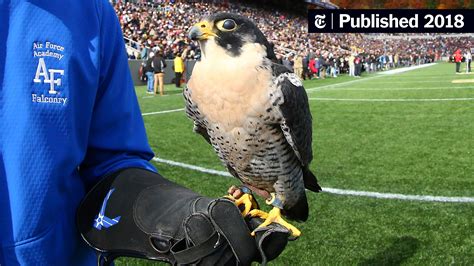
394	154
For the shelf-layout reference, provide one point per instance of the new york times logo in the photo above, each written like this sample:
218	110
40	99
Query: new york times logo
320	21
391	20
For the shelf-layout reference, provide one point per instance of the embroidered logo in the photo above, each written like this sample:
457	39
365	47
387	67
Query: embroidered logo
103	221
52	76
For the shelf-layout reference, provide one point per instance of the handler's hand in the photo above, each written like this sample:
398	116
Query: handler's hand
160	220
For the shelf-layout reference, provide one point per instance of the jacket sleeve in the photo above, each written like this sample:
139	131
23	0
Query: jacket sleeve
117	137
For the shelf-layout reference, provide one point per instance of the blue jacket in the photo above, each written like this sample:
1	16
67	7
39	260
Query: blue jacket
68	116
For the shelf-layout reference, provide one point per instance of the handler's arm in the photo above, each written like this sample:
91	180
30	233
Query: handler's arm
117	137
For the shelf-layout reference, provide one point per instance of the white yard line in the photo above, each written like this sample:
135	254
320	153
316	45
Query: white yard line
192	167
379	195
342	83
392	100
163	112
403	89
405	69
397	81
337	191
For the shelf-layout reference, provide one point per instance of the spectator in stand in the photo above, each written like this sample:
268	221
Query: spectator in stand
164	24
144	52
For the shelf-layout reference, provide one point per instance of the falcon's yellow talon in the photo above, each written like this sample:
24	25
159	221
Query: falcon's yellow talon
246	200
258	213
230	197
274	216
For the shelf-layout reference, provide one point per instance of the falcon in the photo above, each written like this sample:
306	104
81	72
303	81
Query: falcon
255	114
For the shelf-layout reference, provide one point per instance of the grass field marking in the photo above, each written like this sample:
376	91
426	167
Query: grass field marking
386	81
402	89
192	167
398	196
405	69
342	83
391	100
368	78
336	191
163	112
463	81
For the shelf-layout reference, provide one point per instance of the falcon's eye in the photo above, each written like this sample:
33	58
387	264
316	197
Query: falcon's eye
227	25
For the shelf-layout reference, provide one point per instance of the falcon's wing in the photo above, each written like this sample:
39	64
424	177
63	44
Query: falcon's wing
192	111
296	122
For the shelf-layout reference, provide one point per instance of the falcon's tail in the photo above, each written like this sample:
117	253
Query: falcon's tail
298	212
310	181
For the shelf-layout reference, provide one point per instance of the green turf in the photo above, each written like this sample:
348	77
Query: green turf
422	148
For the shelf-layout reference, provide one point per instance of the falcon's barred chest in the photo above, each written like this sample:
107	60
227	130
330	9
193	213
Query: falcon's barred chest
255	151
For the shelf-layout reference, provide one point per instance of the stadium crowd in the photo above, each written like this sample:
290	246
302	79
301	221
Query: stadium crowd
161	27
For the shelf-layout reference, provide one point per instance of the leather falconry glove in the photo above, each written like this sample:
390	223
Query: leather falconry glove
138	213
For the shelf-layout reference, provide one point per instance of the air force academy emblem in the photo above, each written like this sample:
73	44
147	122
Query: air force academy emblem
52	77
103	221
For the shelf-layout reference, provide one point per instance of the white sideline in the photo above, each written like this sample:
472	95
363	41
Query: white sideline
402	89
336	191
192	167
391	100
397	196
380	75
405	69
342	83
163	112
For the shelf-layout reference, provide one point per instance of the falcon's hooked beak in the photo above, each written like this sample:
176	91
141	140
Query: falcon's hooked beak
201	31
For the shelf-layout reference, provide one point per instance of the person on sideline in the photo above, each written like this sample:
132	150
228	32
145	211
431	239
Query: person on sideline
298	66
149	72
178	69
457	59
468	58
159	65
352	65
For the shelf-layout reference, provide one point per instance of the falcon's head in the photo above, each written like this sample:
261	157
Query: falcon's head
231	32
